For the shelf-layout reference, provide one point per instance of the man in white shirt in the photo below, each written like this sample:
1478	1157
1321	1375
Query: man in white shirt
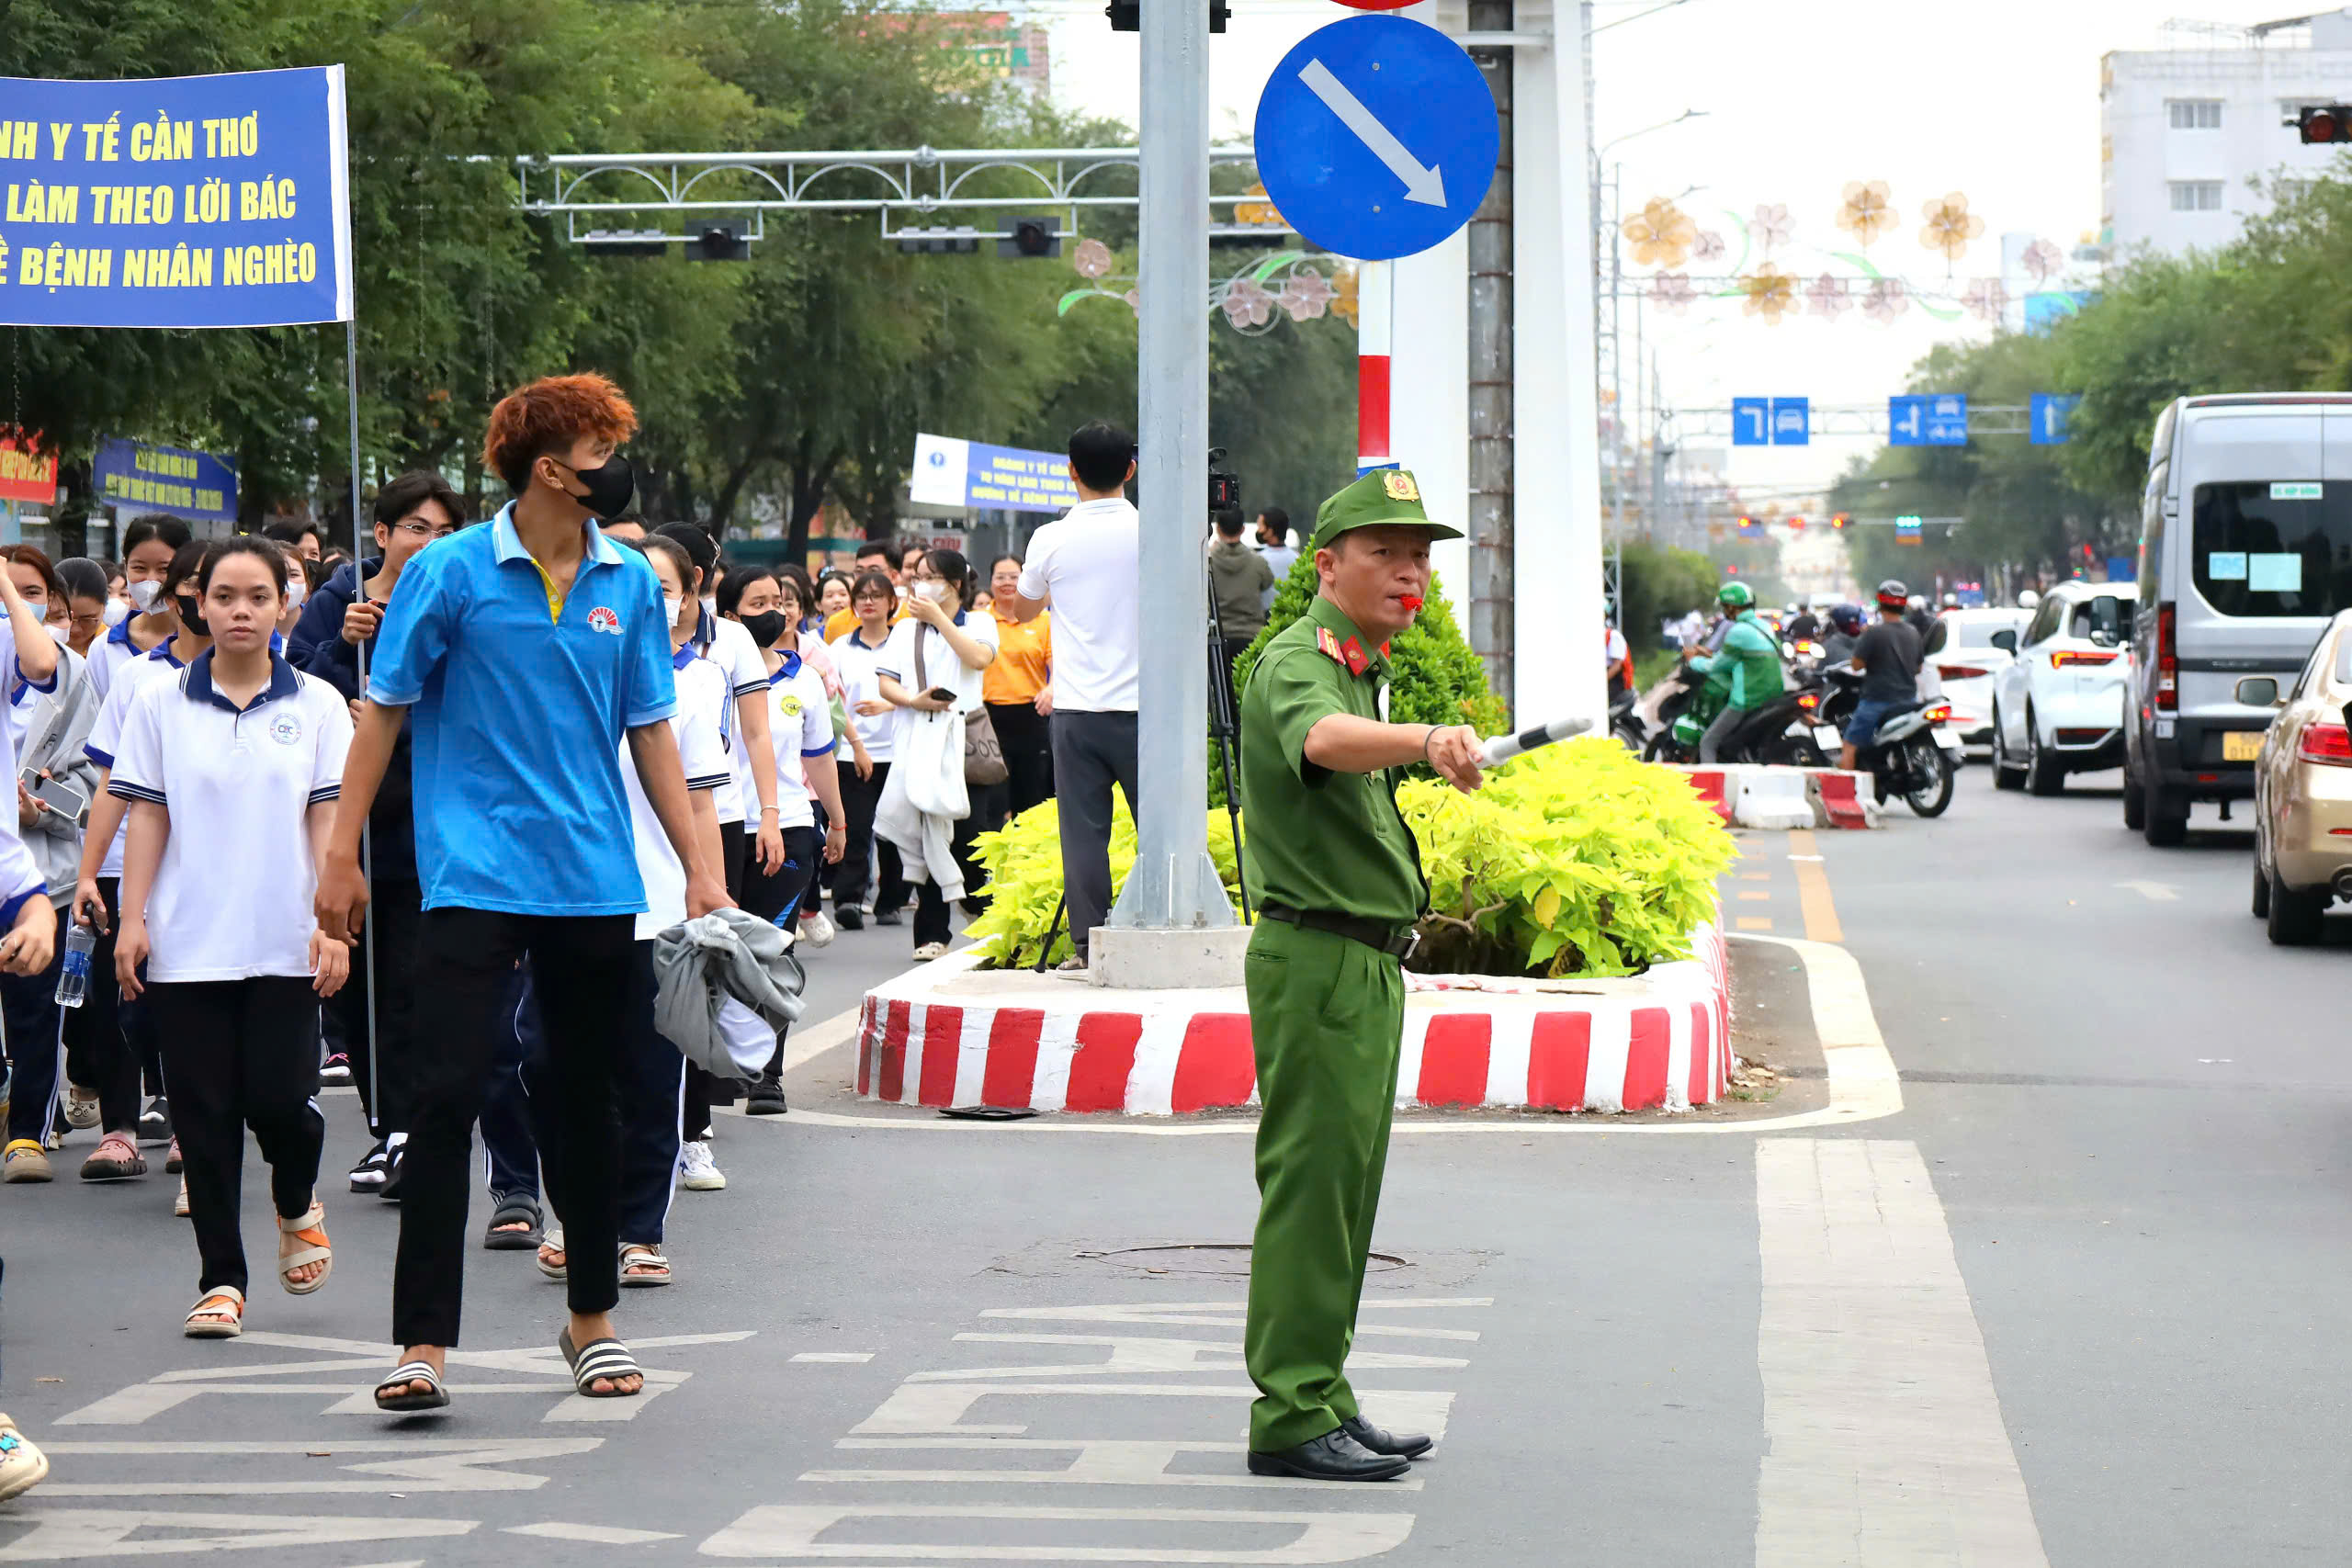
1274	543
1085	565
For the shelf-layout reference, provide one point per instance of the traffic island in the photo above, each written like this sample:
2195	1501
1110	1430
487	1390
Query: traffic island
952	1034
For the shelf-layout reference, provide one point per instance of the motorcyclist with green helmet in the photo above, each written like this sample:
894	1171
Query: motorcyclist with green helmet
1744	673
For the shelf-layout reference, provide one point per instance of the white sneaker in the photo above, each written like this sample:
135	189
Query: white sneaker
698	1171
815	928
930	951
81	1106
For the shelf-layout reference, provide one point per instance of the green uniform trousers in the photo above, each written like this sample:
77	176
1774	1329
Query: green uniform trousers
1327	1022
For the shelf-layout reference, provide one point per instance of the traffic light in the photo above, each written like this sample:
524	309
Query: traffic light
1840	520
626	242
941	242
719	242
1030	237
1126	15
2332	123
1796	525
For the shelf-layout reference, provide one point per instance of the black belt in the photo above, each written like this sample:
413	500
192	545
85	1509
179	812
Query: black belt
1371	933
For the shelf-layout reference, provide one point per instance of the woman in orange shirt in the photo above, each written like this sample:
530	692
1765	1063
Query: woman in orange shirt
1017	687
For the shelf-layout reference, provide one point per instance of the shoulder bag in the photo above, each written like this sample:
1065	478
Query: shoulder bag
983	754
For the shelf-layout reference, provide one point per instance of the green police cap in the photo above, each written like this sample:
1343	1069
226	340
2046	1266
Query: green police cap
1382	496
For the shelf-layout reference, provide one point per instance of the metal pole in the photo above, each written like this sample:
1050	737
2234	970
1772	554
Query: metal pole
1493	383
1174	883
367	841
1376	316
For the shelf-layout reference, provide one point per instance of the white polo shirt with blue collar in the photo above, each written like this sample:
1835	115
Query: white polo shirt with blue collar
519	700
800	725
233	896
106	731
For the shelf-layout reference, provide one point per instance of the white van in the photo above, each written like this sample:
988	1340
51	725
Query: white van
2246	553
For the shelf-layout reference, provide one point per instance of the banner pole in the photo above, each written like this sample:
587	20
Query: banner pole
366	837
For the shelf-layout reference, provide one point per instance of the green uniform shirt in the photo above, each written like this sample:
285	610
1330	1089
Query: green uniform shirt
1315	839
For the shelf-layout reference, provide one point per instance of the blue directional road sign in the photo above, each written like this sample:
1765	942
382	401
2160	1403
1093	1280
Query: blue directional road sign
1940	421
1377	137
1751	422
2050	412
1792	422
1906	421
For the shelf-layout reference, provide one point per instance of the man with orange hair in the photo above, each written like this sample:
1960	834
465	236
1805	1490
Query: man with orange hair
522	654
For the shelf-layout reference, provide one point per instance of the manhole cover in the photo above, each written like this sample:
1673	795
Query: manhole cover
1226	1258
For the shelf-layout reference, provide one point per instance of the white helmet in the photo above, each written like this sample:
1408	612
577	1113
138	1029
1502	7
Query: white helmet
1918	600
2029	600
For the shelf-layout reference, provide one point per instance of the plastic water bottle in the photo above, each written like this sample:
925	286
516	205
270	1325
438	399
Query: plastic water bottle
73	983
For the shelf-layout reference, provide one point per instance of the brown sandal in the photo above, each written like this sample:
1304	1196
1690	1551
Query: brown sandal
225	1321
310	1228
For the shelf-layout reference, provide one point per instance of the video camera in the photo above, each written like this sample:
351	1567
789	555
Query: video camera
1225	489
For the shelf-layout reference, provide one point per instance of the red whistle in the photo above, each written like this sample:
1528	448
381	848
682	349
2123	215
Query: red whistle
1411	601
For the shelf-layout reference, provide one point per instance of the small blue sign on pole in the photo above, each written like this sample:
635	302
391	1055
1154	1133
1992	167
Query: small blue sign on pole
2050	412
1378	136
1948	419
194	485
1751	422
1792	422
1906	421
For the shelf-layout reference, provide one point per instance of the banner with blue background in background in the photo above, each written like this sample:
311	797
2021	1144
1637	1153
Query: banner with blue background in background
949	471
183	201
137	478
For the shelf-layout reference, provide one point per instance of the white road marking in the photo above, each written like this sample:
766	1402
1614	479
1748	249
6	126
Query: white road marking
1095	1461
2155	892
1864	1083
924	1410
62	1535
1136	1354
422	1464
790	1530
839	1357
1885	1443
594	1535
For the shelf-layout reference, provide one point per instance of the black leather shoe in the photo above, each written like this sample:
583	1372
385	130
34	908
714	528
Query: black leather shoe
1402	1445
1334	1456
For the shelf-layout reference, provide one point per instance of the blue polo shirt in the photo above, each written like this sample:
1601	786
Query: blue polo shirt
519	705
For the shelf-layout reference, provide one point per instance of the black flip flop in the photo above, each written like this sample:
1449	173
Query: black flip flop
408	1400
606	1359
512	1209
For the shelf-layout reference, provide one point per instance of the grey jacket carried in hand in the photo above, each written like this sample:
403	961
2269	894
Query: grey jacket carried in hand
702	965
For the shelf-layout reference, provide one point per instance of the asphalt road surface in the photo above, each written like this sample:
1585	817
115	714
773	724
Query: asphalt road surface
2070	1301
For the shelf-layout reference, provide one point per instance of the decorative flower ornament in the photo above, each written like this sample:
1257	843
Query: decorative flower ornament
1950	226
2043	259
1868	212
1885	299
1260	213
1673	293
1771	293
1662	235
1828	297
1986	299
1092	259
1709	247
1305	296
1246	303
1344	302
1133	298
1771	227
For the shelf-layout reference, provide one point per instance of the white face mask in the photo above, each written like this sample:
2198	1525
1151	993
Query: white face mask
298	588
674	604
709	602
931	589
117	610
143	594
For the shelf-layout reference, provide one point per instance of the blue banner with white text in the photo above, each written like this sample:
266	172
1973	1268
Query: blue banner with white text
185	201
137	478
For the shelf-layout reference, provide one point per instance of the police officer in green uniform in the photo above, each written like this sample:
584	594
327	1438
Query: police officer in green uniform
1338	888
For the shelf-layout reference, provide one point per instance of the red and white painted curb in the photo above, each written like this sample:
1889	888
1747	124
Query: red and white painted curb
949	1035
1749	794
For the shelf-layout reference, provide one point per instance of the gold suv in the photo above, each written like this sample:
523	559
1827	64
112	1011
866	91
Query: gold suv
2303	800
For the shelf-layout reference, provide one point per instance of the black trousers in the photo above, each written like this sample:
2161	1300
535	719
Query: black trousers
241	1053
1092	752
859	797
28	1009
394	907
1028	741
652	1085
99	1051
933	920
580	966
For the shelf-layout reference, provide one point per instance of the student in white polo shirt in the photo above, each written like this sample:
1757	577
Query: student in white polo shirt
653	1075
149	544
116	1036
232	769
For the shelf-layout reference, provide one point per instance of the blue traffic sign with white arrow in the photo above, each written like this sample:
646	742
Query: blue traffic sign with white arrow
1377	137
1751	422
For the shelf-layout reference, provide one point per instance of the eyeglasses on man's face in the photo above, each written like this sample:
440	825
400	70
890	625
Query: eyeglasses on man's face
416	528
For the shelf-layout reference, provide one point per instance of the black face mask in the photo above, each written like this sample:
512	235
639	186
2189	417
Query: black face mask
765	627
609	487
190	616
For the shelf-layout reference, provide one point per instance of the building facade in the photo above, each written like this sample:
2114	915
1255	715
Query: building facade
2192	137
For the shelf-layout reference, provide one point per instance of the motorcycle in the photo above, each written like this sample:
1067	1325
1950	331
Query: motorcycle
1912	755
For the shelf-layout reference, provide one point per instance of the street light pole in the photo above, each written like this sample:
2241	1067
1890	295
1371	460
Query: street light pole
1174	885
